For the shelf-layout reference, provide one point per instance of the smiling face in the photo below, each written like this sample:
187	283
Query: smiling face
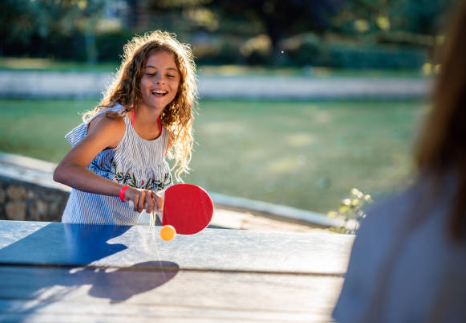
160	81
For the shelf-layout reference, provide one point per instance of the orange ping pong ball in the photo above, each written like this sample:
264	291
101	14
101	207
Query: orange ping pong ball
167	232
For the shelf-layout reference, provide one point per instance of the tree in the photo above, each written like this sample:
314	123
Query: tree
44	22
278	19
388	18
282	19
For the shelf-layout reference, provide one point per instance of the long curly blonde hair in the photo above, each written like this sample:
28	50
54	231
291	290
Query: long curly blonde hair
177	117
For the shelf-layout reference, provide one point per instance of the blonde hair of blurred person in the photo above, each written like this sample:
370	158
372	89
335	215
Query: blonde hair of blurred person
408	262
442	146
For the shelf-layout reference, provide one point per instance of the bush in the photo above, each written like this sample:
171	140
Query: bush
303	50
215	50
110	46
374	57
309	49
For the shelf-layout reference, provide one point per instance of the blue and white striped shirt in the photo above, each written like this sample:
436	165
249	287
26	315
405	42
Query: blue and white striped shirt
135	162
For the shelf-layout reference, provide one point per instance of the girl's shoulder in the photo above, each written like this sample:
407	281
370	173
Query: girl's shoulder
110	115
110	122
106	131
114	110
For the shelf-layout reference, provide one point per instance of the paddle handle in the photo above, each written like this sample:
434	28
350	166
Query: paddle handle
144	216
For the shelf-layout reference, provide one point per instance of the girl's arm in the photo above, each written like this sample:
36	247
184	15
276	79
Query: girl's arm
103	133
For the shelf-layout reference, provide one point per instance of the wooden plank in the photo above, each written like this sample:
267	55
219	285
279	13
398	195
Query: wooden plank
159	314
101	295
213	249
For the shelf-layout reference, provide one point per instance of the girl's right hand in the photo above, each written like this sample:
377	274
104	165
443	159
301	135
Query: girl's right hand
144	199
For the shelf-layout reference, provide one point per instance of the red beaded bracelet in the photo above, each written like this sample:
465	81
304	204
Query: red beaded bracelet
122	193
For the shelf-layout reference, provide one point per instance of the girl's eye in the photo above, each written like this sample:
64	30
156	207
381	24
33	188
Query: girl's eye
171	76
149	74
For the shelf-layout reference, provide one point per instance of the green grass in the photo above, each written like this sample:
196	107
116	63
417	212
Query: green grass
302	154
44	64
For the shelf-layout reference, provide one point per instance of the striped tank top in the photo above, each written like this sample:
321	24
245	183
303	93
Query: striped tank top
135	162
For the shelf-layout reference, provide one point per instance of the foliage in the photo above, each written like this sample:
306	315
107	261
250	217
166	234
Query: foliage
351	211
40	25
383	20
336	33
282	19
309	50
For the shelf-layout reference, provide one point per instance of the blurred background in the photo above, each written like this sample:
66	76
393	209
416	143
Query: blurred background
300	101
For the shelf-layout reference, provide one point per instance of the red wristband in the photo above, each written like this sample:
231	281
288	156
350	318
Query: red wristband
122	193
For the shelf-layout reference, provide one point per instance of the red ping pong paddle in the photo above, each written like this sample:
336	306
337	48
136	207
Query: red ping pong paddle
188	208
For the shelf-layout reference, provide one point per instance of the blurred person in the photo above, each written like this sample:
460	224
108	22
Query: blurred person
118	153
408	262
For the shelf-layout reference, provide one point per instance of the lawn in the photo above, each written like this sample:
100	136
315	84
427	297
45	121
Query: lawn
302	154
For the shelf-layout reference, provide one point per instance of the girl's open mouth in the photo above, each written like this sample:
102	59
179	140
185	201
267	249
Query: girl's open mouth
159	94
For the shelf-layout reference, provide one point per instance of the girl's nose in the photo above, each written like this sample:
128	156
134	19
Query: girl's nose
160	79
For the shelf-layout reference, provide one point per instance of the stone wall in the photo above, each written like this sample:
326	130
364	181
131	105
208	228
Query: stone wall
28	191
25	201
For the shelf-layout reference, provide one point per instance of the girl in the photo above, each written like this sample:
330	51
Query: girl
119	150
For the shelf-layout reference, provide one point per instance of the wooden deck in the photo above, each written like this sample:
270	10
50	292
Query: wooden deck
52	272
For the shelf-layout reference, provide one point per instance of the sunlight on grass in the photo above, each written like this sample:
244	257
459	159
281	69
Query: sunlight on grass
281	166
222	128
301	139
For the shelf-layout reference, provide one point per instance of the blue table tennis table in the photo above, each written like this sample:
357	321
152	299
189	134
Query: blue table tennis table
55	272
